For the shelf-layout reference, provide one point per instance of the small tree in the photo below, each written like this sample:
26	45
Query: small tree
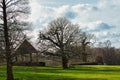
60	34
12	13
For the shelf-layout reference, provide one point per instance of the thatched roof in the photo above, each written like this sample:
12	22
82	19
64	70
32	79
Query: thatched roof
26	47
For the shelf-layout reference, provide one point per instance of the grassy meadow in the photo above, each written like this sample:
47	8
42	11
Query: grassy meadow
57	73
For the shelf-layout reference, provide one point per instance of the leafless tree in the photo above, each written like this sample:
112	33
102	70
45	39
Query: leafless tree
109	55
108	52
86	40
12	13
60	34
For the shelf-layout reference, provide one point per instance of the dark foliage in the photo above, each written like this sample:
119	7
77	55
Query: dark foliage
29	64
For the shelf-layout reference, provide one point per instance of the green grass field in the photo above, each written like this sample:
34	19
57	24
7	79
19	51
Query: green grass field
56	73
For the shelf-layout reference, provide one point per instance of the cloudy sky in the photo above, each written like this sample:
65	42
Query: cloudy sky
99	17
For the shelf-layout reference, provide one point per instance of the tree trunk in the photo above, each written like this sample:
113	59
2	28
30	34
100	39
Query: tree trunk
84	54
9	69
84	57
7	45
64	62
64	59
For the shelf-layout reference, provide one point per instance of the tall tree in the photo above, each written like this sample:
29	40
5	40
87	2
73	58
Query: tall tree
86	39
60	34
108	52
12	13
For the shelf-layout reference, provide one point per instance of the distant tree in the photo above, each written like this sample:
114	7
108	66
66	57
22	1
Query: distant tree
117	56
86	40
12	23
108	52
60	34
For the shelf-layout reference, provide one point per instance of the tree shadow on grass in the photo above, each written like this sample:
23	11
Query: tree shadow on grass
80	79
51	77
46	73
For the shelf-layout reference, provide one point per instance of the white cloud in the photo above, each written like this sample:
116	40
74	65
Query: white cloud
98	26
103	4
83	8
102	17
32	35
94	25
40	12
61	10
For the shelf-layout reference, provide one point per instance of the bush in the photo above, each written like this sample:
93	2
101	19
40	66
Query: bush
29	64
99	59
87	63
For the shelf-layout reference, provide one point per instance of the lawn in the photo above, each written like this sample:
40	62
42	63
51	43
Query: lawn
56	73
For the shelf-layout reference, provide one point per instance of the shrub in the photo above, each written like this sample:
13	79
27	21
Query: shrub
99	59
29	64
87	63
